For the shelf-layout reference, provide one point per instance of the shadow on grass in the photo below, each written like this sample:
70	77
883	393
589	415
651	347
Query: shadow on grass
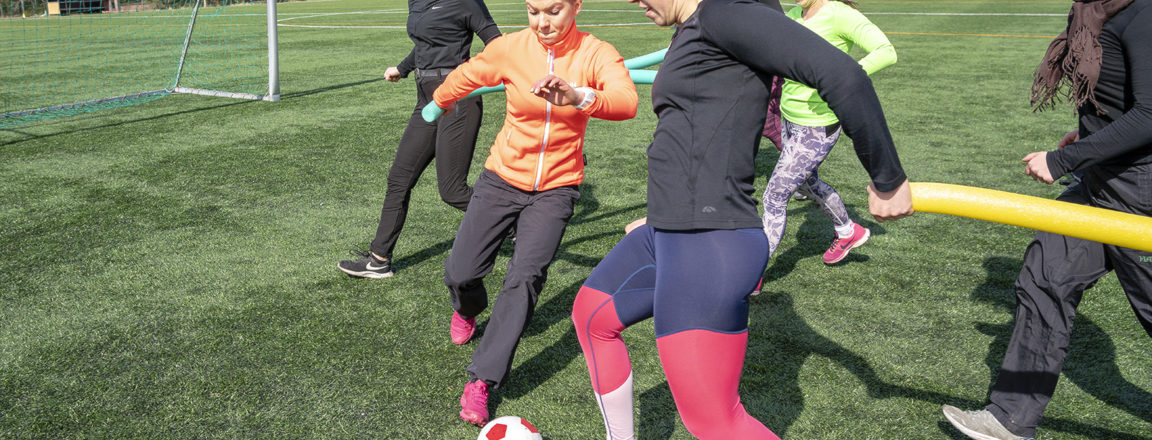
292	95
779	344
120	123
658	418
777	353
439	248
813	235
1090	363
302	93
86	218
537	370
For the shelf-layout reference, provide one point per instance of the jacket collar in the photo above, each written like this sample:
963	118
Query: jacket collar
569	41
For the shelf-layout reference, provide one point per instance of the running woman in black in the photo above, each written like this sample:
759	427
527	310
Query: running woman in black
1103	62
441	31
703	249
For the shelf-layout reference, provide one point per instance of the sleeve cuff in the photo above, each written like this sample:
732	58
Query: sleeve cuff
890	184
1055	166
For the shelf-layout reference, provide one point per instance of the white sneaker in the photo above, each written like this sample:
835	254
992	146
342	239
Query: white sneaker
978	425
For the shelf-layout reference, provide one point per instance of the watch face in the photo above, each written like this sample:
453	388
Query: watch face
589	96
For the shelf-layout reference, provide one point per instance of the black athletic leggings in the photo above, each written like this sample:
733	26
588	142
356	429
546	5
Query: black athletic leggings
451	140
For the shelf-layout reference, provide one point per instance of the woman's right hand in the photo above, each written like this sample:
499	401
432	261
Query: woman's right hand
392	74
557	91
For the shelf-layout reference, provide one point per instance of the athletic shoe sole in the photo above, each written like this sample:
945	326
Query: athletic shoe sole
963	429
364	274
473	418
970	433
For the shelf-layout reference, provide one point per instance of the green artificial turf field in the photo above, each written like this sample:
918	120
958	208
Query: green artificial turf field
168	269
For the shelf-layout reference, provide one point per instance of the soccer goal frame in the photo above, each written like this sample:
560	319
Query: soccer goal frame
272	94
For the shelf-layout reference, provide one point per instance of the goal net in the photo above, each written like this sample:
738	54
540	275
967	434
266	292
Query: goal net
60	58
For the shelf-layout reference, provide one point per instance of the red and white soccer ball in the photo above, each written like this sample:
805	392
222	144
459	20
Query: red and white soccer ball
509	428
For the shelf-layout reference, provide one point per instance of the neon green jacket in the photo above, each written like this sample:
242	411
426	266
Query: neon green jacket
844	27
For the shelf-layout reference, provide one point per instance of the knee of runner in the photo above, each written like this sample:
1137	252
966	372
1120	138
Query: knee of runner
532	278
806	191
455	197
460	281
455	201
593	317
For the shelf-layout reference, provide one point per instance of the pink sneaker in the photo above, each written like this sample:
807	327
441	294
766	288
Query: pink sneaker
475	403
841	246
462	329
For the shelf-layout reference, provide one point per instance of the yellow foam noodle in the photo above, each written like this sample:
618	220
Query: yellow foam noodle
1096	224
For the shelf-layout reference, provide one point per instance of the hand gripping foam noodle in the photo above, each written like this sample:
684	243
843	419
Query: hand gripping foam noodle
509	428
1080	221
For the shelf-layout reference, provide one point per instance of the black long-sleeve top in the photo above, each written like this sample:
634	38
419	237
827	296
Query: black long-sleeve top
1123	136
711	98
442	32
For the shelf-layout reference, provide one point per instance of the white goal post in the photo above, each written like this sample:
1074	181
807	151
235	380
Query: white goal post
273	64
73	56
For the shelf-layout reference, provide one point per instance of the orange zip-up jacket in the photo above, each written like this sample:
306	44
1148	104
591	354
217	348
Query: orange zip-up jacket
541	145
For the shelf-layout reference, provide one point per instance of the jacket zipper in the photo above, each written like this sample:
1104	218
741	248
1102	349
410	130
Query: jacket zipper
547	125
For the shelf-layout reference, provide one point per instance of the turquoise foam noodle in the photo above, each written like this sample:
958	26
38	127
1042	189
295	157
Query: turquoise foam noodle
431	111
642	76
643	61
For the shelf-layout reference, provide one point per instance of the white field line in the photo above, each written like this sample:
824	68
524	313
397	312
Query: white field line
971	14
940	14
637	11
305	15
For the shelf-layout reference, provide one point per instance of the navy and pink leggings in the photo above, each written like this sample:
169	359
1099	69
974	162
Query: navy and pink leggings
695	286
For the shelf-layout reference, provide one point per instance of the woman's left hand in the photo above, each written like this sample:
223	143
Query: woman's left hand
557	91
1037	166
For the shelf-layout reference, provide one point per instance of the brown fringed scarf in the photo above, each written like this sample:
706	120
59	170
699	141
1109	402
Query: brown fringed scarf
1071	66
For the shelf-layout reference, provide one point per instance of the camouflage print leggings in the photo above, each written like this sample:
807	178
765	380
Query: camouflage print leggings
804	149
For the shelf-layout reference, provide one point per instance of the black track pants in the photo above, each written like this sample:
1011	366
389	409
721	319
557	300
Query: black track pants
450	140
540	218
1057	270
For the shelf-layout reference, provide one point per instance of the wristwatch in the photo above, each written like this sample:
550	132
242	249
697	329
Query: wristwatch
589	97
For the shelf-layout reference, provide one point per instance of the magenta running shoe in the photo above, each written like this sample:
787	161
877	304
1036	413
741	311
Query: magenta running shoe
475	403
841	246
462	329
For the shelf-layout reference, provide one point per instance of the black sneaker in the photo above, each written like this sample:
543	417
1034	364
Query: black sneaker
366	267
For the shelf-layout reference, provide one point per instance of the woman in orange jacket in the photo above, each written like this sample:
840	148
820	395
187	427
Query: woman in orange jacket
555	78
